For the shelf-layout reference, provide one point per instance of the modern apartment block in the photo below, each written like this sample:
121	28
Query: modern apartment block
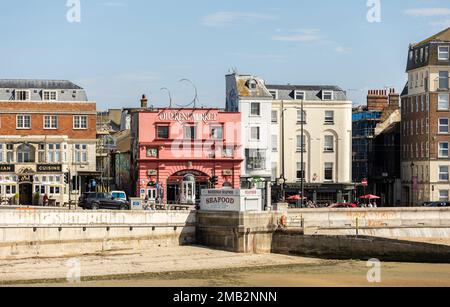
326	142
425	122
47	131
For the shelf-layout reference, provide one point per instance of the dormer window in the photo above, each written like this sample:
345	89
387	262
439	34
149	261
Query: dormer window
411	55
443	53
274	94
252	84
22	95
327	95
49	95
299	95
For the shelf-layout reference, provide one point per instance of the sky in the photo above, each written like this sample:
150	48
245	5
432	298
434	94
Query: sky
121	49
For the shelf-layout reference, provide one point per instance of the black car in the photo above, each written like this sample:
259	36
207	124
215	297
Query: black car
95	201
437	204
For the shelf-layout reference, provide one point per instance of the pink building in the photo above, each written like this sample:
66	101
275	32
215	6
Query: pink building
179	152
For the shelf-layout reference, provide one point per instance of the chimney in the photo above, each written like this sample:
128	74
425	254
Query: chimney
394	99
144	102
377	100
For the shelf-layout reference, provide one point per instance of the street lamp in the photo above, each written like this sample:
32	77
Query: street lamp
412	183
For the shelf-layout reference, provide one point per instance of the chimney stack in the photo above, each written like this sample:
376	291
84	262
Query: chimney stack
144	102
394	99
377	100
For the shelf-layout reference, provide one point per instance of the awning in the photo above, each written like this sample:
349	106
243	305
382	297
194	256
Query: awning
92	174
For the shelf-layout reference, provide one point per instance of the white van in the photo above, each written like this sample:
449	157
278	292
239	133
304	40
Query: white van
119	195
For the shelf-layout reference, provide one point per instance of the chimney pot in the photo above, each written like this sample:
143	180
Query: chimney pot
144	102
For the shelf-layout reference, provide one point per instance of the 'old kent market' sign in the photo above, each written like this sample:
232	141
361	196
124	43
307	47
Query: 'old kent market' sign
186	116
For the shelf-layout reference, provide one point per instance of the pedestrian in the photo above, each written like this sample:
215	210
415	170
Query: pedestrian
45	200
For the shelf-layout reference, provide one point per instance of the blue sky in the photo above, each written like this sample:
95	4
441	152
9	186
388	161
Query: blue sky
123	48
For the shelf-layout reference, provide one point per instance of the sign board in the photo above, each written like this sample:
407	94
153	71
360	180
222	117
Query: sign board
49	168
364	182
152	172
227	172
183	117
136	204
7	168
231	200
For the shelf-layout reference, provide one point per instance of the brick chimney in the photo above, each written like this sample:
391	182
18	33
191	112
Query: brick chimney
377	100
144	102
394	99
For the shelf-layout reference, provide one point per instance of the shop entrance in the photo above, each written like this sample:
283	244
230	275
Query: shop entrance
185	187
26	194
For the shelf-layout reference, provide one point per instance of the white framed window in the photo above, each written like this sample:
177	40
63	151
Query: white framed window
228	152
300	95
443	149
443	79
256	159
54	190
443	126
301	143
41	153
50	95
329	171
217	132
274	117
443	195
40	189
255	133
80	122
327	95
23	122
54	153
329	117
274	143
252	84
443	173
190	132
329	143
443	52
443	104
255	109
22	95
274	94
80	153
301	117
50	122
301	171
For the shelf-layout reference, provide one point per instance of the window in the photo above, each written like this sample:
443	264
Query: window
228	152
151	152
443	79
1	154
162	132
9	153
274	171
49	95
274	94
301	143
300	95
417	103
25	153
80	122
328	172
54	190
22	95
274	117
426	53
41	153
274	143
301	171
443	150
327	95
23	122
254	133
443	195
301	117
190	132
443	102
252	84
329	117
443	53
40	189
421	54
81	153
54	153
443	173
256	159
50	122
329	143
255	109
10	190
217	133
443	125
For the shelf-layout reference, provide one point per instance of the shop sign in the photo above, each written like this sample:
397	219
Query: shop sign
231	200
183	117
227	172
49	168
7	168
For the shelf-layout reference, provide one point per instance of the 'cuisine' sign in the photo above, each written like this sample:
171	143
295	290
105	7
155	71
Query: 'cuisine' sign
183	117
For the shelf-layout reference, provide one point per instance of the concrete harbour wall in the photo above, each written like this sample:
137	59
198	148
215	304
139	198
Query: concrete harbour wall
35	233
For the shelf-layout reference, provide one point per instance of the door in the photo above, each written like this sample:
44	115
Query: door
151	193
26	194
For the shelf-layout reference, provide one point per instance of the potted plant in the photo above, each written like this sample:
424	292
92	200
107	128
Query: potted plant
16	199
36	199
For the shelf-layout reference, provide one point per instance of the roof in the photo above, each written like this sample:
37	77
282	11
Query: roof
441	36
304	87
405	90
38	84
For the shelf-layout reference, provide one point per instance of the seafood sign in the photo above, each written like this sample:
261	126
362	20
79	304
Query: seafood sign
231	200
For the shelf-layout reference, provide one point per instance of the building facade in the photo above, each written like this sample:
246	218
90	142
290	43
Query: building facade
425	122
325	144
47	141
178	152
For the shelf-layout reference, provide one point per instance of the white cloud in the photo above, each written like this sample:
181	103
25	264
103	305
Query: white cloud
302	36
428	12
343	50
225	19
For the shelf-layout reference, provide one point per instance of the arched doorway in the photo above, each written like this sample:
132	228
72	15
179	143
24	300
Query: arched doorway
25	180
185	187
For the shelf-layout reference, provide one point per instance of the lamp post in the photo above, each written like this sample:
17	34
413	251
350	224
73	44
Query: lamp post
282	179
302	168
412	184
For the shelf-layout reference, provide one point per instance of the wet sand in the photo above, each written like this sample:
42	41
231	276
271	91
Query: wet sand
198	267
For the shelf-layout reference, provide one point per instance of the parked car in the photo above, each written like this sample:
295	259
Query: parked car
344	205
438	204
96	201
119	195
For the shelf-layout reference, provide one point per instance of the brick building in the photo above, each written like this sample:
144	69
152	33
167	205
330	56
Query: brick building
47	130
425	122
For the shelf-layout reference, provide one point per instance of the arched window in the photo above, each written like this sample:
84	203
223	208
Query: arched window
25	153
